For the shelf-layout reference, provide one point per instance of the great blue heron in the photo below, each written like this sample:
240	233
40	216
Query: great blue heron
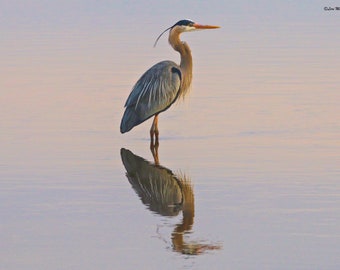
162	84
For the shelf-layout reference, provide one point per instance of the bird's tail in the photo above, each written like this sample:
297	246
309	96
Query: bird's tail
130	119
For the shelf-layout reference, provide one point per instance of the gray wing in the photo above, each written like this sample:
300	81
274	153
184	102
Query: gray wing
153	93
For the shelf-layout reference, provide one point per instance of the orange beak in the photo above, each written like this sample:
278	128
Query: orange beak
199	26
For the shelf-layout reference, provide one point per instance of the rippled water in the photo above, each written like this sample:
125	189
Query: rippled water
248	173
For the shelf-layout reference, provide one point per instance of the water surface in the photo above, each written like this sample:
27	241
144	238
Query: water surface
250	159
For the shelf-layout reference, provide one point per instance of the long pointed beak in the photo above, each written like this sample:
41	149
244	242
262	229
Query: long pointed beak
199	26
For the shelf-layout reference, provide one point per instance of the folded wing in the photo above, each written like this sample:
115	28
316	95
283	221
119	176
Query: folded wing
153	93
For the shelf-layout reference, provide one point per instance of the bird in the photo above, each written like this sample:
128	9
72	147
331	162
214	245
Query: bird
163	84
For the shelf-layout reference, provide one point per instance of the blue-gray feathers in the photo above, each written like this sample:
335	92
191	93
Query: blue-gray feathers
153	93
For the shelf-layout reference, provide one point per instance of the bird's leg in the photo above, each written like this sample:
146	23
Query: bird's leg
154	144
154	130
154	151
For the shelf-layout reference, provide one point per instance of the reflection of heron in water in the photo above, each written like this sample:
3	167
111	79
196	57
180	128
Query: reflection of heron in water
165	194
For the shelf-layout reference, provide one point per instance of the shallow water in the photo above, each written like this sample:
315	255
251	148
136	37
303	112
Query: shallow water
249	162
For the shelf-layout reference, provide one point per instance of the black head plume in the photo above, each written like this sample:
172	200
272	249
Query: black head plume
184	23
179	23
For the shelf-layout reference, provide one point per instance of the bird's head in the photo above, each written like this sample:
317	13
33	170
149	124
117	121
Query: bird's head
186	26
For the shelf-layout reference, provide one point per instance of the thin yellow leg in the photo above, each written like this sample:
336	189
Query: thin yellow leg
154	151
154	132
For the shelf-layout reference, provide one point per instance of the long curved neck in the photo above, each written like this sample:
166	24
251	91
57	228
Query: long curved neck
186	60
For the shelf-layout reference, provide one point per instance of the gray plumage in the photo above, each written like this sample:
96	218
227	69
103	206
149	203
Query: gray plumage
162	84
153	93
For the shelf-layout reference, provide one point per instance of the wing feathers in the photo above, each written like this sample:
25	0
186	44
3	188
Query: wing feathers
154	92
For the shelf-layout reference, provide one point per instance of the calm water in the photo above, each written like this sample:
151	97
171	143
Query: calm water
249	163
